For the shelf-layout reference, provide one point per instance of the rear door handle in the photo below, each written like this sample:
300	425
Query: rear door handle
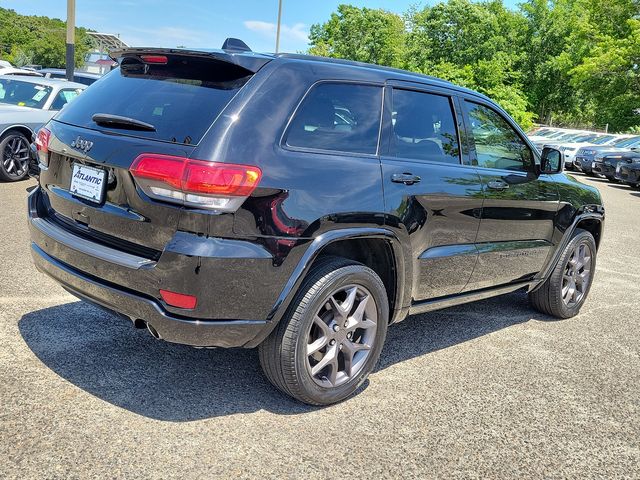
406	178
498	185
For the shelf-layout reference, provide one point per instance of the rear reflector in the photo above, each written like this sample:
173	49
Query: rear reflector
42	146
197	183
179	300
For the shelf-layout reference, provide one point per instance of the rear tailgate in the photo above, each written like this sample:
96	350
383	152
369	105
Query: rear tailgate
180	95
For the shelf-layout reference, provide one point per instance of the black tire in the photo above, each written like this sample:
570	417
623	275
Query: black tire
548	298
283	354
612	179
9	172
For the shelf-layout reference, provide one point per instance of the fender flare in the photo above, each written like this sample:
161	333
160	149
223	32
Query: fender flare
566	238
313	251
13	127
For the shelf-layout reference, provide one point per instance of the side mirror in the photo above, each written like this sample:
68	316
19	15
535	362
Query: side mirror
551	161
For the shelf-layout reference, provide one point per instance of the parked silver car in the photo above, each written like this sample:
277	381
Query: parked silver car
26	104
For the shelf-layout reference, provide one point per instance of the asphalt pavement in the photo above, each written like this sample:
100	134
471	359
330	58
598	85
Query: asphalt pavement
487	390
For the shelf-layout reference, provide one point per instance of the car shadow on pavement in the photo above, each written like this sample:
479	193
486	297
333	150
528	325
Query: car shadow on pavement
628	188
104	355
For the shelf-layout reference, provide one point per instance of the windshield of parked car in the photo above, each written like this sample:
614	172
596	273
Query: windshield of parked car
567	136
584	138
558	134
23	94
602	139
543	132
627	142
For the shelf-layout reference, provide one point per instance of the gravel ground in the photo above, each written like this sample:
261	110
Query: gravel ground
490	389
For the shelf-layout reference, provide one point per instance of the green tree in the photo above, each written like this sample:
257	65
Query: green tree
476	45
361	34
612	74
40	40
573	62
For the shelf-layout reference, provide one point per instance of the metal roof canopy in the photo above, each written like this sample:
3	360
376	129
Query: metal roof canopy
105	42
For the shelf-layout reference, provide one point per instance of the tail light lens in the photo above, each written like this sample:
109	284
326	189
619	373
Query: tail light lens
158	59
195	183
42	146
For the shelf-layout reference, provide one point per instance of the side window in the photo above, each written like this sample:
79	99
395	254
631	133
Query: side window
62	98
424	127
338	117
497	144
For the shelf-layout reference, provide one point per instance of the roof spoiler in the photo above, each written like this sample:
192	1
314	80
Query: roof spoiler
252	62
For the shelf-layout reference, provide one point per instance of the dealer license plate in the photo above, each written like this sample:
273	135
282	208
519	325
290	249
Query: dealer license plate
618	167
88	182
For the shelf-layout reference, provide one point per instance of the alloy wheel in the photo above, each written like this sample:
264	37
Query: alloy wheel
15	157
341	336
577	275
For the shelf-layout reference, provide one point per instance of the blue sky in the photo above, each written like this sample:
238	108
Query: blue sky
202	23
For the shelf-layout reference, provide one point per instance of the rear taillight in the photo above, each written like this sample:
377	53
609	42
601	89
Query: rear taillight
42	146
195	183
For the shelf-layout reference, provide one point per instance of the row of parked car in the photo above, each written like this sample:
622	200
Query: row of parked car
616	157
28	100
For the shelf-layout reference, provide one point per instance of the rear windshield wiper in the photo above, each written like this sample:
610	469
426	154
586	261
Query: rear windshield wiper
116	121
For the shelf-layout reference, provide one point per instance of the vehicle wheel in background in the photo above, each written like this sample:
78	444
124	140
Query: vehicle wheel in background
331	337
14	149
565	291
612	179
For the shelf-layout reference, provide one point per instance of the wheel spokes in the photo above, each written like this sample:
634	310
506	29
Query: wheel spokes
577	275
341	336
16	156
330	358
349	351
342	309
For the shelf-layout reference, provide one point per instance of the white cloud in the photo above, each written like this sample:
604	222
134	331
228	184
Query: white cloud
297	32
168	37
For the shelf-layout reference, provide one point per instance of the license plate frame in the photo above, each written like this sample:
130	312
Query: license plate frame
88	183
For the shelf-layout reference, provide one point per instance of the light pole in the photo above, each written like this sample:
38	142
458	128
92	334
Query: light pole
278	27
71	38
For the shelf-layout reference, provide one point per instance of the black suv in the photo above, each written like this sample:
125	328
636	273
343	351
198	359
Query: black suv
300	205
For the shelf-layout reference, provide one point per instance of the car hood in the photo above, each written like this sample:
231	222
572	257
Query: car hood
604	148
12	114
574	144
613	151
5	107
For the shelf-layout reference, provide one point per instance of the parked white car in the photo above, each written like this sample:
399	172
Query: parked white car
19	71
26	104
570	149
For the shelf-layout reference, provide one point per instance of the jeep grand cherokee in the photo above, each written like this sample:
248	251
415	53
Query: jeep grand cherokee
300	205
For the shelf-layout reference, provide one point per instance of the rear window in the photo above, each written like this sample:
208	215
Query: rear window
181	99
338	117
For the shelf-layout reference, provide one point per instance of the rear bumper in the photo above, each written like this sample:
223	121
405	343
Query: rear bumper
199	333
232	310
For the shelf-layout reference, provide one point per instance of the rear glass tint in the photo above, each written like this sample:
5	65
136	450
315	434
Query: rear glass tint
180	99
338	117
